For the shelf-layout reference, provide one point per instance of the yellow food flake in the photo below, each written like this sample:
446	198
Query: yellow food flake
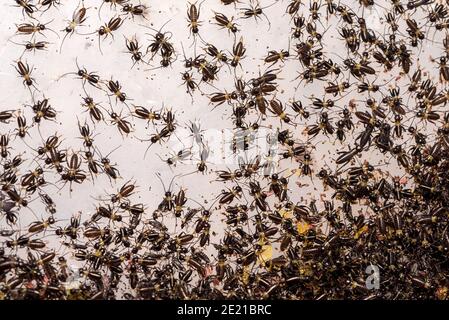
361	231
286	214
442	293
303	227
265	254
245	276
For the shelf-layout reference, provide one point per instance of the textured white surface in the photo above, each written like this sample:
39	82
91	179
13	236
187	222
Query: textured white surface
161	88
153	89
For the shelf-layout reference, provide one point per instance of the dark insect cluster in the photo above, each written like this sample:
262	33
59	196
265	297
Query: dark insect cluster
249	149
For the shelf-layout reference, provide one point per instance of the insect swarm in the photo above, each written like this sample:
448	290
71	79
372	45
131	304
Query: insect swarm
313	162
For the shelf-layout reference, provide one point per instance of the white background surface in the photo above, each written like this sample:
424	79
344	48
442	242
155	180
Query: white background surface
158	88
